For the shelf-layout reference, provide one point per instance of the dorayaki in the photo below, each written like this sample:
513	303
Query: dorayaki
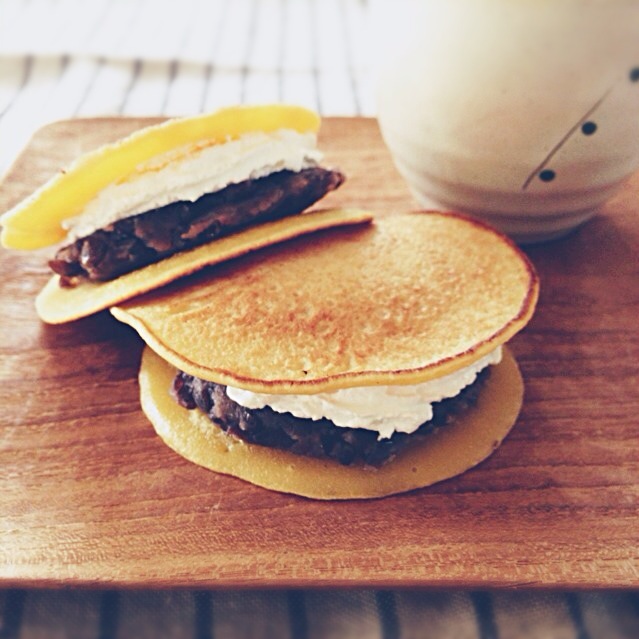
354	363
171	198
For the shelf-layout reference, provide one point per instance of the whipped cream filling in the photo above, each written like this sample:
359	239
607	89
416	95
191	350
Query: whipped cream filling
186	173
385	409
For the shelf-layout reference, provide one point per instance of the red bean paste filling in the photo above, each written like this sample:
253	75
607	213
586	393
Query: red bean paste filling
321	438
134	242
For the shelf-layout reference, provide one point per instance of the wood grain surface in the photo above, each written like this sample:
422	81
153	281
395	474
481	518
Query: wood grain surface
90	496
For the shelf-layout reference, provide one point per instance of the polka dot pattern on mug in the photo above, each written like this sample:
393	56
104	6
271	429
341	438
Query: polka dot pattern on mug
587	126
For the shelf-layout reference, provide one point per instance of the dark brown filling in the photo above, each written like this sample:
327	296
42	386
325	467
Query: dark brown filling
321	438
137	241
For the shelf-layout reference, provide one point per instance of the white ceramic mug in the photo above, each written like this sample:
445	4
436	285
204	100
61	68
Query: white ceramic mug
524	113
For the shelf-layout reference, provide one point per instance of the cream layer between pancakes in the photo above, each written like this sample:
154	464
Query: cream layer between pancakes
385	409
189	172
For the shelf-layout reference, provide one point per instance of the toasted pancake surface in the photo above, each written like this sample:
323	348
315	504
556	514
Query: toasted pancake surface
56	304
433	458
410	298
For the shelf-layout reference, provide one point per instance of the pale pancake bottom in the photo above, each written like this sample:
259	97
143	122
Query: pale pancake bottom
57	305
440	455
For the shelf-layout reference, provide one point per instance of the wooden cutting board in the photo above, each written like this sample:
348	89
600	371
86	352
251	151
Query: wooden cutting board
90	496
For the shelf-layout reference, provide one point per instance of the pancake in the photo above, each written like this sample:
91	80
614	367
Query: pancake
37	221
56	304
410	298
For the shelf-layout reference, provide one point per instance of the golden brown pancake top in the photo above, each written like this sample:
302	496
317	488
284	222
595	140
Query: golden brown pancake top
410	298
